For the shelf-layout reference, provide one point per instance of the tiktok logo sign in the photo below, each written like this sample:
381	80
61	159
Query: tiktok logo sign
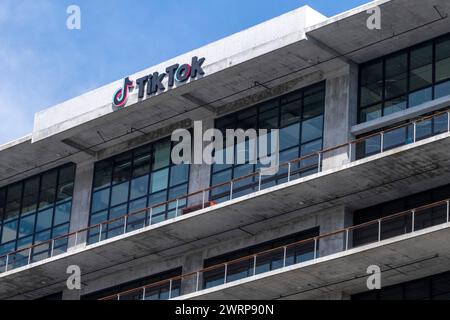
121	95
157	82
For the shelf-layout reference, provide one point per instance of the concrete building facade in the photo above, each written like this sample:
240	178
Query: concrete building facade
364	177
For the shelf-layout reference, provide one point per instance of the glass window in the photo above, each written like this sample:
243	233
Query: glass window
99	217
118	212
9	231
14	196
443	59
313	105
395	105
139	187
311	147
122	169
247	123
30	195
371	113
299	118
100	200
442	90
406	79
44	219
424	129
119	194
135	175
228	122
26	226
161	155
103	174
419	97
396	75
23	199
65	183
2	203
219	178
421	67
141	164
24	243
440	123
289	136
312	129
269	119
288	155
48	189
371	83
159	180
179	174
396	137
290	113
62	213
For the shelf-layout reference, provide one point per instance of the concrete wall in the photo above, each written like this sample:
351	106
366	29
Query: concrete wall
332	220
340	115
200	174
81	202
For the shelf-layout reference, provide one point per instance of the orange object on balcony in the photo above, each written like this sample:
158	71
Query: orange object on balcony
199	207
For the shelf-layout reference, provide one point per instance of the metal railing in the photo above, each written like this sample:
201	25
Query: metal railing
299	252
316	162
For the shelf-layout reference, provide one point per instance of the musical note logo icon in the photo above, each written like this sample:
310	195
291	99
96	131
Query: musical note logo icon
121	95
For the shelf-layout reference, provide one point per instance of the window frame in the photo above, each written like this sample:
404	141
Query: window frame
135	153
296	96
33	237
407	95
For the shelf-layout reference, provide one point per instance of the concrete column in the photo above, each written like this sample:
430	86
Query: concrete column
200	174
81	202
330	221
192	263
340	115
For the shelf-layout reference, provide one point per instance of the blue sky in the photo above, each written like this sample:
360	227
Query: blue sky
43	63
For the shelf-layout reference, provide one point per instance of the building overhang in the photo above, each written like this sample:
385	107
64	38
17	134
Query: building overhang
403	24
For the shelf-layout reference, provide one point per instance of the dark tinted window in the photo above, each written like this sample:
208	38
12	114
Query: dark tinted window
404	79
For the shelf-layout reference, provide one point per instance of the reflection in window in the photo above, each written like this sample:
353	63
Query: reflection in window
298	115
395	81
404	79
35	210
133	181
371	84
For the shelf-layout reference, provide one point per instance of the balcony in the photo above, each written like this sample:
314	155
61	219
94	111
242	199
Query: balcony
402	242
306	185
